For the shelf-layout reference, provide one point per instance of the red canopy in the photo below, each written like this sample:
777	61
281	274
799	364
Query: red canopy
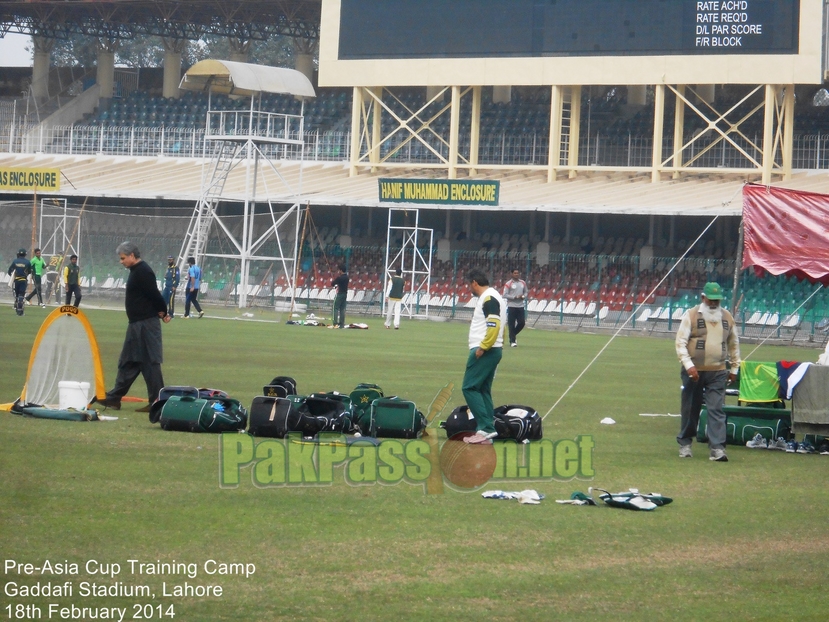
786	232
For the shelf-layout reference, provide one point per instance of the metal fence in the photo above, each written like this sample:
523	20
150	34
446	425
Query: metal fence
498	148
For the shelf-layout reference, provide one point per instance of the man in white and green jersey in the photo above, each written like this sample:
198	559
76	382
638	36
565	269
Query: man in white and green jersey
486	343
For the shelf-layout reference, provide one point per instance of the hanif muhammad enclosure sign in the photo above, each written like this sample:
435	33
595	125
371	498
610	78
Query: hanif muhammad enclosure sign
29	179
439	191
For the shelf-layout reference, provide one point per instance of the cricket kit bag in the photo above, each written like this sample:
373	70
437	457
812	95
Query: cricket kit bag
519	423
395	418
195	414
361	398
281	386
165	394
743	423
512	422
272	416
305	415
459	420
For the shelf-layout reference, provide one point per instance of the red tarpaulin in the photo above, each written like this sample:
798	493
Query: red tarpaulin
786	232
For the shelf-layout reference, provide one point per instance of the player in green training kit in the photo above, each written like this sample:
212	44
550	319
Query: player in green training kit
38	266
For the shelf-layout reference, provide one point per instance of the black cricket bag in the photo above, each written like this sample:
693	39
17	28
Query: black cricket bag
519	423
281	386
272	416
361	399
342	398
194	414
459	420
396	418
306	415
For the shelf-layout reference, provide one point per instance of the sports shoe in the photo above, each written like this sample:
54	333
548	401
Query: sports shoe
824	448
386	325
718	455
144	409
758	442
185	317
201	314
480	438
779	444
513	345
107	403
685	451
791	447
43	305
805	448
28	302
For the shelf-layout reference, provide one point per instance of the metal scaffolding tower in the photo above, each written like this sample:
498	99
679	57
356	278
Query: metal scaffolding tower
249	139
413	257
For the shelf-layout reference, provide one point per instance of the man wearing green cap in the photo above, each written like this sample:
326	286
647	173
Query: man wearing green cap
705	342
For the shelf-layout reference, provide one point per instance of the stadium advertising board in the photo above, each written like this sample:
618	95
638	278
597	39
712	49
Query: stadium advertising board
29	179
559	42
439	191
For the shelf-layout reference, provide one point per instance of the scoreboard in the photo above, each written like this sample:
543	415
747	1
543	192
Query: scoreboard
541	42
492	28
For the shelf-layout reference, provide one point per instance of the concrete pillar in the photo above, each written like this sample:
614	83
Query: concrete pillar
637	95
40	67
432	91
304	63
501	94
105	76
239	50
706	92
172	66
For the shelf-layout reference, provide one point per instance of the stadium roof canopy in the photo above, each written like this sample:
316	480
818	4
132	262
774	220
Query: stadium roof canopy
123	19
329	183
234	78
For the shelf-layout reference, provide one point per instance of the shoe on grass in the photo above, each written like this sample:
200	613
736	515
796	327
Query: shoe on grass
758	442
791	447
685	451
805	448
779	444
718	455
144	409
480	438
107	403
201	314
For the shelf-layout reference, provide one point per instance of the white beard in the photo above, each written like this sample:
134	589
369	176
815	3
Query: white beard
711	316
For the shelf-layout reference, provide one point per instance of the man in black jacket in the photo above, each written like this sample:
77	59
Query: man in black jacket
142	352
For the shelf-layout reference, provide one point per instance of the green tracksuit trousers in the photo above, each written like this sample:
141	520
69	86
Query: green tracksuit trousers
477	386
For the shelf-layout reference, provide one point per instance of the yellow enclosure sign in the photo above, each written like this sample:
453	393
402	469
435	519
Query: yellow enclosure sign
29	179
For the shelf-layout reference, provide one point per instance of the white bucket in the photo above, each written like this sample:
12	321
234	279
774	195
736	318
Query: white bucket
73	394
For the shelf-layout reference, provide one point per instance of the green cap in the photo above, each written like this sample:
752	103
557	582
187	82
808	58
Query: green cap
712	291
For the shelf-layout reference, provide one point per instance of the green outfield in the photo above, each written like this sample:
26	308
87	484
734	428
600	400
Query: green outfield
131	522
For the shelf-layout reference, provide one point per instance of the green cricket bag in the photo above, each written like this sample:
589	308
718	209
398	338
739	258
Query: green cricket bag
396	418
193	414
361	398
165	394
743	423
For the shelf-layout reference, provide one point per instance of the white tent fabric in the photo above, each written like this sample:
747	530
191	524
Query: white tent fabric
235	78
